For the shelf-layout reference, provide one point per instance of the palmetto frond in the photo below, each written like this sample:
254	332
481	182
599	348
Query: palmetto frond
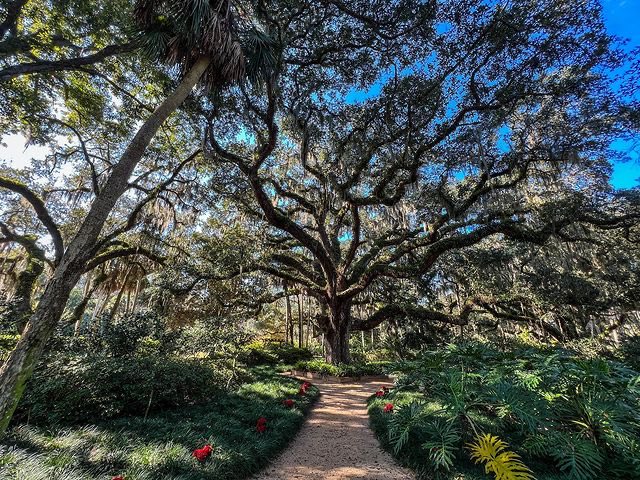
261	51
504	464
180	32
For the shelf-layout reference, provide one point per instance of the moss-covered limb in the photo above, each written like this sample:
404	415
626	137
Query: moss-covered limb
41	211
20	306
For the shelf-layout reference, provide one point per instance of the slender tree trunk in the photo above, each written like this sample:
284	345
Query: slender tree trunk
116	304
338	329
300	322
135	296
306	339
18	368
288	327
90	289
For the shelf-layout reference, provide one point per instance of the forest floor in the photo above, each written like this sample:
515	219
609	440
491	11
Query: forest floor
336	442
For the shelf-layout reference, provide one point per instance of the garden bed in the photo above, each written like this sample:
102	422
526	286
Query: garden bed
546	403
164	445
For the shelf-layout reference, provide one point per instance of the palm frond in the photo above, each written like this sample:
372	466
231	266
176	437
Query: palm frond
181	32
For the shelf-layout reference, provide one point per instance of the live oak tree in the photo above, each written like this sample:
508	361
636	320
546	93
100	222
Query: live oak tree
449	146
201	38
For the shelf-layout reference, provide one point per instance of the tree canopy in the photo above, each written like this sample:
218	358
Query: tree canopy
424	164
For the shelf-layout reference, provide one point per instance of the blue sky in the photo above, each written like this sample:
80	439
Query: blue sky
623	19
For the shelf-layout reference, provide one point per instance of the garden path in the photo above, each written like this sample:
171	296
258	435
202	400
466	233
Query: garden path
335	443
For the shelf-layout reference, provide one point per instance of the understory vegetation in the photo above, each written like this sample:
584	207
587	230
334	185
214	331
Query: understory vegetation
568	413
162	444
356	369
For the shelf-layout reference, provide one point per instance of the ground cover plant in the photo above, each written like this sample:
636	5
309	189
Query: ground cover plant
554	410
244	428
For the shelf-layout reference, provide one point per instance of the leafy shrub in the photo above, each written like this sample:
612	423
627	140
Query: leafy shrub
567	415
85	389
272	353
342	370
504	464
630	351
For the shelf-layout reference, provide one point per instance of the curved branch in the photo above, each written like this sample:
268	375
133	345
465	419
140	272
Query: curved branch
123	252
41	212
47	66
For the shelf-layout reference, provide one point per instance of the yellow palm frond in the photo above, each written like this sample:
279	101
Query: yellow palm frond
504	464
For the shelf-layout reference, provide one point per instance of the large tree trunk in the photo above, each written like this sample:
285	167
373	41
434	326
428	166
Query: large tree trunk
20	364
338	329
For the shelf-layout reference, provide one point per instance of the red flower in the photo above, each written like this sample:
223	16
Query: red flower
289	403
388	408
380	393
303	388
202	453
118	477
261	425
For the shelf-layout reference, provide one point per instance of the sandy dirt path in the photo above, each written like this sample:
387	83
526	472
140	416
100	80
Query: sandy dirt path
336	442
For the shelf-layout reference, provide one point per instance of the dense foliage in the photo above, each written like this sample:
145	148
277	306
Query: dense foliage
161	445
566	415
92	388
355	369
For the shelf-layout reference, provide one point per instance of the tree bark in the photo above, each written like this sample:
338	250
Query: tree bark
338	329
19	366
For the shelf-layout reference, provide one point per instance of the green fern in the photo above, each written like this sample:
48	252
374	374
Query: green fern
442	445
504	464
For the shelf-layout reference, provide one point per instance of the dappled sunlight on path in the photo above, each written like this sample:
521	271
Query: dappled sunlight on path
336	442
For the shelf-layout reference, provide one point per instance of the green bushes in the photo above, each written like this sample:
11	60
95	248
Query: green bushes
161	446
567	416
272	353
85	389
342	370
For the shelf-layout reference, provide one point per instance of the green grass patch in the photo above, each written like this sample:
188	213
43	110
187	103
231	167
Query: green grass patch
161	446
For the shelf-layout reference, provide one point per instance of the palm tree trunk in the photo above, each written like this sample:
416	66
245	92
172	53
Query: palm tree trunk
19	366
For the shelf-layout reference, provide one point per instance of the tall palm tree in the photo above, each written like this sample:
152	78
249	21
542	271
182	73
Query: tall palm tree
193	34
199	37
